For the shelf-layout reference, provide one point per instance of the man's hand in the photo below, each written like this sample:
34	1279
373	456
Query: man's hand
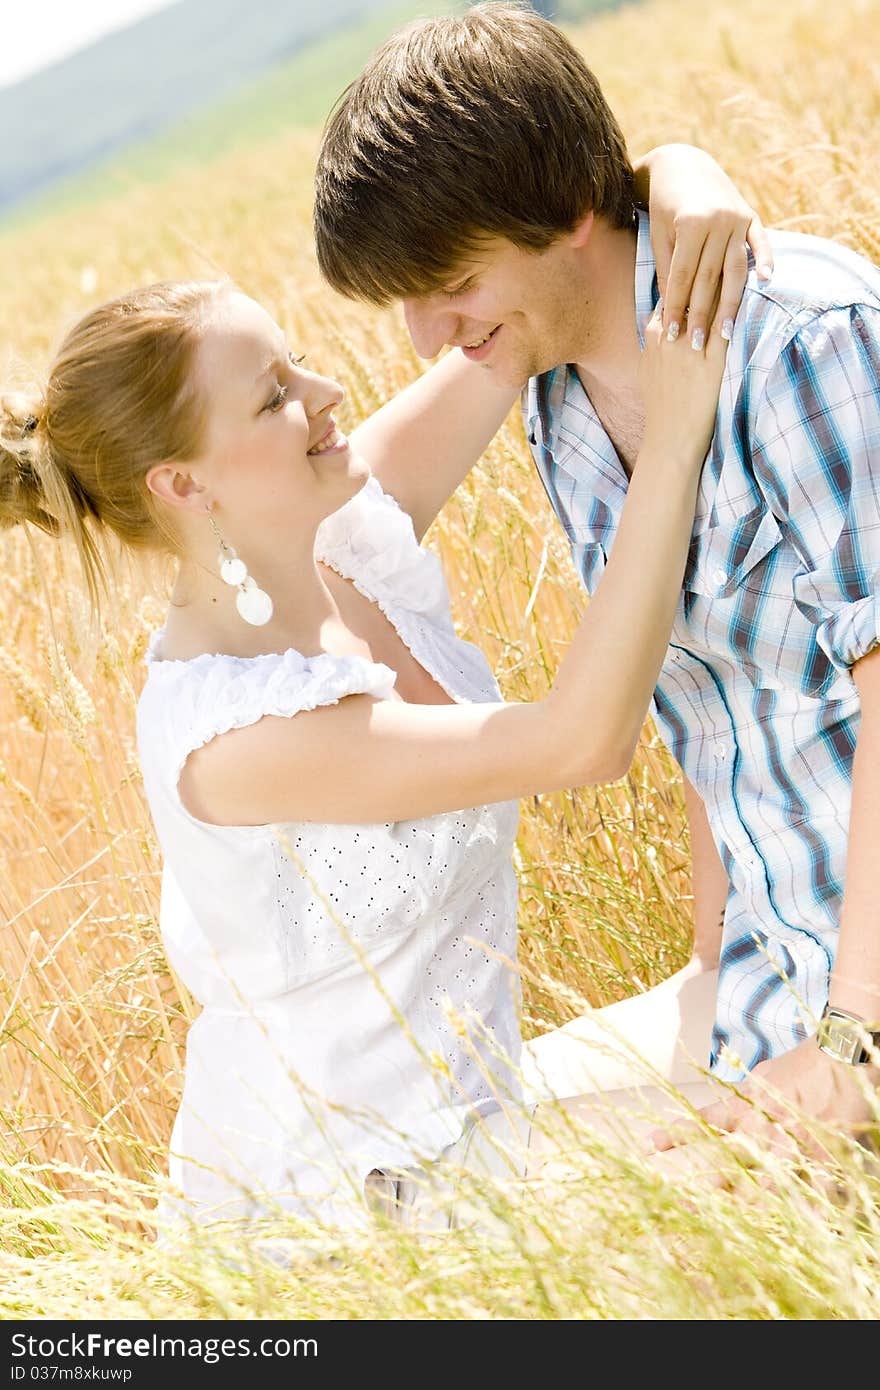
781	1108
700	228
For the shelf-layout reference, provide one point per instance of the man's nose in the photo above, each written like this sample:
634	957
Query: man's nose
430	325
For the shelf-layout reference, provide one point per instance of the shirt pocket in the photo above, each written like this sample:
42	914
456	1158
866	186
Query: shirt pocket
729	556
735	614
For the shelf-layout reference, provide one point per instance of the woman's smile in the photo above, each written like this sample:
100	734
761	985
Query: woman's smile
332	441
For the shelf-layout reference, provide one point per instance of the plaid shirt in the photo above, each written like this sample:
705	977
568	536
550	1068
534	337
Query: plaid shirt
755	698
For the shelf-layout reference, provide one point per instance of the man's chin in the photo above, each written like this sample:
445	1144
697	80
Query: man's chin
508	375
514	370
507	372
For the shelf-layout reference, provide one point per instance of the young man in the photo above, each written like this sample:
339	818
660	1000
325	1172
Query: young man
475	172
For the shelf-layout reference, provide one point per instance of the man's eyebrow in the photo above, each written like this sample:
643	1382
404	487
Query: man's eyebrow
462	272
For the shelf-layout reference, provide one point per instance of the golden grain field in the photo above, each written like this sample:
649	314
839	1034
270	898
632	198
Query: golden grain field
93	1023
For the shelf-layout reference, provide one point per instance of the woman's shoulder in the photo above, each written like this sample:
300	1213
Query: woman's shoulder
187	702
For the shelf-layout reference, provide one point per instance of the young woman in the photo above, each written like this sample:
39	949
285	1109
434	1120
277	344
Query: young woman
331	771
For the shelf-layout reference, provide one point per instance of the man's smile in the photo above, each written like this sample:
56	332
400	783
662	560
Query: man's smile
479	348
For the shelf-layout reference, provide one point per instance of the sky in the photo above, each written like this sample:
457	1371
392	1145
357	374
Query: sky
39	32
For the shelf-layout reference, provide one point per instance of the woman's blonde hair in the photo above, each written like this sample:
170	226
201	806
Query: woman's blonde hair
120	398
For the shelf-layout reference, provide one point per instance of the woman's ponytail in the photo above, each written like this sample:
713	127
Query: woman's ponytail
23	463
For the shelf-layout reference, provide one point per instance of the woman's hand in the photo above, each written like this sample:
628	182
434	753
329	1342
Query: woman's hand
701	227
680	391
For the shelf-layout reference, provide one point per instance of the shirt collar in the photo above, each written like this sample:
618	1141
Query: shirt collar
646	291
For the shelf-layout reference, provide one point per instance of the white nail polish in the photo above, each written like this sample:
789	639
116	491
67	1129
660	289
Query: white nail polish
727	330
672	332
698	340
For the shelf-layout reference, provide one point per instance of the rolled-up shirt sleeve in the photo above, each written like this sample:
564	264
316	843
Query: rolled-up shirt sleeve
816	453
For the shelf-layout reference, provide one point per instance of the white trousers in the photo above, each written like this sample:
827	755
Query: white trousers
662	1034
608	1068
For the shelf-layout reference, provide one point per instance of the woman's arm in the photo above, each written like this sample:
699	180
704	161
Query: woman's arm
700	226
428	437
365	760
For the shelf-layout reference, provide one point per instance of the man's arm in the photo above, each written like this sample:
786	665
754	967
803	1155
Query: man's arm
806	1078
824	492
855	979
806	1081
710	883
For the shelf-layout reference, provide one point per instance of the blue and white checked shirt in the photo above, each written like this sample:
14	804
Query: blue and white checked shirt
755	698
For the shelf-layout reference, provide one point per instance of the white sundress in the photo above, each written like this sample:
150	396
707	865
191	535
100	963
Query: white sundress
358	982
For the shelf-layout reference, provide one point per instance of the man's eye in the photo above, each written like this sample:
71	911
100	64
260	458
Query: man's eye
459	289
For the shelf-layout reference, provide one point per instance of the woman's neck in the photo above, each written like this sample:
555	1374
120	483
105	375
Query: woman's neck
203	617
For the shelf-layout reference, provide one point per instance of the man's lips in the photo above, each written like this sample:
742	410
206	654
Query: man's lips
475	343
479	349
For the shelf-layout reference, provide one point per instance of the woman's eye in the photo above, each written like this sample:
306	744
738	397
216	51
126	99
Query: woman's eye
280	395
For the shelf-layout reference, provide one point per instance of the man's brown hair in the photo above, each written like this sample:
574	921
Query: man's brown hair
482	124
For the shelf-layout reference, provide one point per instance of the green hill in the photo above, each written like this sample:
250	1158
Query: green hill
297	92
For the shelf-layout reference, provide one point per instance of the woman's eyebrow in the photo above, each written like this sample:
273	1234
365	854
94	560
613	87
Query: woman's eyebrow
273	364
261	382
268	369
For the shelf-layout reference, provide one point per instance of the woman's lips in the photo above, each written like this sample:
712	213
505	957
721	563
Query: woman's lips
330	442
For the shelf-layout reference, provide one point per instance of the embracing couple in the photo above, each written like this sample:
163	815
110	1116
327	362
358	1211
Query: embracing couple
332	772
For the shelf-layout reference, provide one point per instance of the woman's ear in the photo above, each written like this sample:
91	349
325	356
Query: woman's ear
176	488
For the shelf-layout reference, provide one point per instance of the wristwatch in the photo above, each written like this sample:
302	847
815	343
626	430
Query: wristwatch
842	1035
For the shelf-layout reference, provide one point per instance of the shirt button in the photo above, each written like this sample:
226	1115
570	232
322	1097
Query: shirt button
720	751
719	577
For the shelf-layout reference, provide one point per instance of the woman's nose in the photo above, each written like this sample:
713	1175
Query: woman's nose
324	394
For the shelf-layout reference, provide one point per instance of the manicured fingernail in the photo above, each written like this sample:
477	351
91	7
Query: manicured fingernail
727	329
765	271
698	340
672	332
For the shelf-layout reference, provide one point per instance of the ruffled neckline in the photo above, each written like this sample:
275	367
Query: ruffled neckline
155	662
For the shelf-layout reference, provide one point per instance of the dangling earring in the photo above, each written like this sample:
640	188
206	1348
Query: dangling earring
252	602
